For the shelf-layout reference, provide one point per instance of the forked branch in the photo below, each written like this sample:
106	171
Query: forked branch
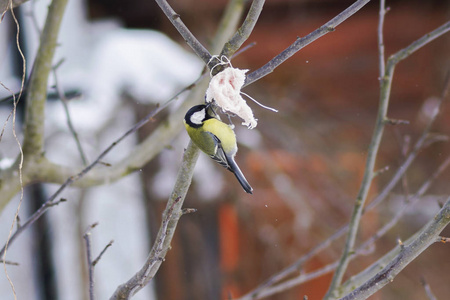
373	150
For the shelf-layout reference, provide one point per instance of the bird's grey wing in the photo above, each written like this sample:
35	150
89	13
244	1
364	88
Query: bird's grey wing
219	154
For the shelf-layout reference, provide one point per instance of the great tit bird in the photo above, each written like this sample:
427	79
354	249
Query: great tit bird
216	139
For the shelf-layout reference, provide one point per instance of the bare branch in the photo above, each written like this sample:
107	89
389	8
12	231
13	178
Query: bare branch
419	145
304	277
37	86
245	30
427	289
190	39
51	201
380	38
173	210
363	276
171	215
406	205
270	287
5	5
442	239
49	172
406	253
87	239
373	150
7	262
304	41
228	23
95	262
63	99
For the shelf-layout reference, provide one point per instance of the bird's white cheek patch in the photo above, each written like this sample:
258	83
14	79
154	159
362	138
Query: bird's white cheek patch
198	117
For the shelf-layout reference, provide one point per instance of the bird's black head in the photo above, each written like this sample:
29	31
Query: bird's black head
197	115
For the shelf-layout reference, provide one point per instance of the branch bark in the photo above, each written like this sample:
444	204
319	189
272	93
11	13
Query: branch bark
34	111
171	215
304	41
37	89
173	210
373	150
403	255
190	39
245	30
5	5
270	287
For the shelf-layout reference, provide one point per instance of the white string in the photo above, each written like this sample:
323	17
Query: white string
262	105
223	60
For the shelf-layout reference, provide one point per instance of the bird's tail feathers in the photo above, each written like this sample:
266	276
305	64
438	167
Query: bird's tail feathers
240	177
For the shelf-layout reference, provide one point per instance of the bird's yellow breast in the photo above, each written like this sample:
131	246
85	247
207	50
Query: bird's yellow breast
205	141
223	132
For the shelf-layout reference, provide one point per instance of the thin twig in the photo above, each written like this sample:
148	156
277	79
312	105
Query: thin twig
157	253
244	31
11	263
406	205
243	49
381	60
358	279
442	239
64	101
373	150
87	239
95	262
171	215
50	202
407	252
304	41
173	210
20	159
6	5
229	21
418	146
304	277
364	188
427	289
269	288
296	266
190	39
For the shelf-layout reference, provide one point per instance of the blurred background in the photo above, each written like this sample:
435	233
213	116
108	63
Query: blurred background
305	163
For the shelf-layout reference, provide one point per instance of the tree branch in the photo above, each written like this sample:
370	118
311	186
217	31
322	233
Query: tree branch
243	32
173	210
45	171
264	288
373	150
87	239
5	5
71	179
37	88
62	97
405	253
427	289
171	215
270	287
92	262
10	181
381	15
190	39
304	41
